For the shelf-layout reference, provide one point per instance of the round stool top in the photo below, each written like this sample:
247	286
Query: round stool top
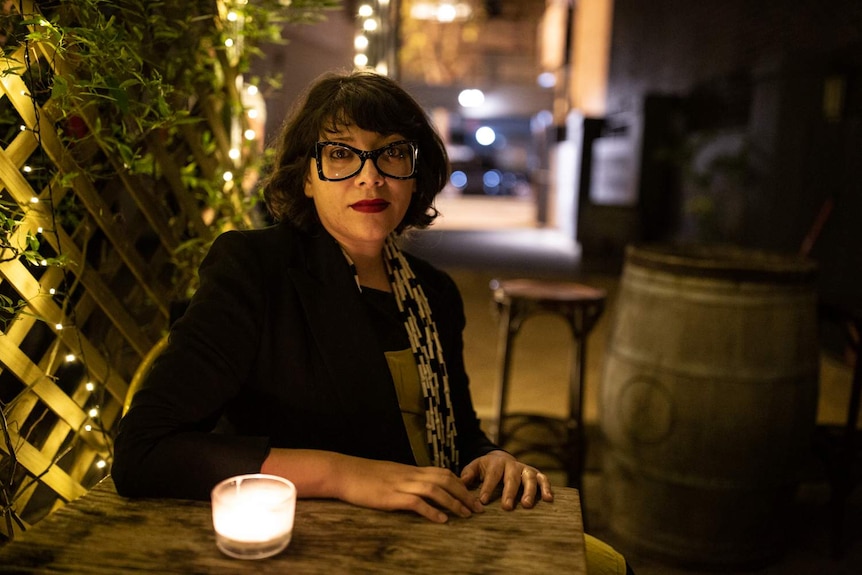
545	290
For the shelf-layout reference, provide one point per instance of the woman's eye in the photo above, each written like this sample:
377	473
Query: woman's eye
339	154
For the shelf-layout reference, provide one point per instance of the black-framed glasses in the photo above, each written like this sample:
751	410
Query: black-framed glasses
337	161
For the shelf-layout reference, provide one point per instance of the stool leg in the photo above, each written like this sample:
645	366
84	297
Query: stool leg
581	322
575	462
506	333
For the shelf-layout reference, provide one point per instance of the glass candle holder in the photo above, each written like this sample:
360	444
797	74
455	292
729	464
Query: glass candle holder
253	515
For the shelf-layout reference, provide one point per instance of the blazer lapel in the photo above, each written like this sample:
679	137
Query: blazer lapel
341	331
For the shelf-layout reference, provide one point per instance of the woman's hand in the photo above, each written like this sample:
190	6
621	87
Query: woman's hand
428	491
431	492
499	465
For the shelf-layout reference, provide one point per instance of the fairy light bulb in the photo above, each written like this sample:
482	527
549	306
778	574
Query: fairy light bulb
70	357
94	412
90	386
250	134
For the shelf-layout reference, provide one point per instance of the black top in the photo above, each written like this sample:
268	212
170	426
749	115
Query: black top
277	349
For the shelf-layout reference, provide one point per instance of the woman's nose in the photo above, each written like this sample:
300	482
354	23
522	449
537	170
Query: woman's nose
369	174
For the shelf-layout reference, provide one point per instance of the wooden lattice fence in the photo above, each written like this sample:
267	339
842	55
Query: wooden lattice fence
89	264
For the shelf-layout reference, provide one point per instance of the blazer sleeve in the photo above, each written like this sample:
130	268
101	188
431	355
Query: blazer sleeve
165	445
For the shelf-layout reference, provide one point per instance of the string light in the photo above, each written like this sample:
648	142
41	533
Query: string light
101	464
365	10
229	42
360	60
52	291
232	16
360	42
94	412
90	386
40	229
34	200
234	154
370	25
27	169
250	134
70	357
88	427
227	176
59	326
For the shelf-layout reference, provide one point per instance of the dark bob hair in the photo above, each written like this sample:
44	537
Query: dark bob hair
370	102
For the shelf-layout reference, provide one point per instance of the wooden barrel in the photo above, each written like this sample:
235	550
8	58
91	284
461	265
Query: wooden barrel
708	401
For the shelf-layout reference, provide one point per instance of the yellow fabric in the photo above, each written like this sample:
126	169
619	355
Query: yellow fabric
405	374
602	559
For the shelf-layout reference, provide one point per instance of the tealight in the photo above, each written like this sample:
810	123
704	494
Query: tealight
253	515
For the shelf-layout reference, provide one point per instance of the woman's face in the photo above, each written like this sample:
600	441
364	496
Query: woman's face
360	211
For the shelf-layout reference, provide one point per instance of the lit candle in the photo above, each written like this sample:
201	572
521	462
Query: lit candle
253	515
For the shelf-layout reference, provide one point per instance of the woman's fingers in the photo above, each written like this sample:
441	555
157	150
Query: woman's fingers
447	498
529	483
545	486
428	491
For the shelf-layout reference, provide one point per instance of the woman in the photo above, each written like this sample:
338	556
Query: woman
315	349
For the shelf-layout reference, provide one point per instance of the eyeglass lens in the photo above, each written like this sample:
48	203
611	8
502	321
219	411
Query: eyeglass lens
340	162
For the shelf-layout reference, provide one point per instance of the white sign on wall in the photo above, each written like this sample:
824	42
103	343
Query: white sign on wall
613	181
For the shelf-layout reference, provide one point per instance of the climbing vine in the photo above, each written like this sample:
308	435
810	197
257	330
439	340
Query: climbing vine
105	104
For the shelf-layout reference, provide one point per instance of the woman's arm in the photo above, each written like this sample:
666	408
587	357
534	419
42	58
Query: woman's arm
165	446
427	491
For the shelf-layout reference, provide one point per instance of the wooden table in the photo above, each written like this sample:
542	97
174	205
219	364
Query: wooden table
102	532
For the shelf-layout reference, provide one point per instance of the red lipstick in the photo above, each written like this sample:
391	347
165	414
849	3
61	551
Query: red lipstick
370	206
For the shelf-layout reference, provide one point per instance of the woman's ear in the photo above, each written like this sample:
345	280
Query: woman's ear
308	188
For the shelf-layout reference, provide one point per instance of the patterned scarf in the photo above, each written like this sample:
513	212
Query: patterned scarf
425	344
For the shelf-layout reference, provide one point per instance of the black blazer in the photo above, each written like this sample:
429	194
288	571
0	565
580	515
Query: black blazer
276	350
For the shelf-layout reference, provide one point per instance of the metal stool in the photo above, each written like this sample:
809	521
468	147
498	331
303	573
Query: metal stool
580	306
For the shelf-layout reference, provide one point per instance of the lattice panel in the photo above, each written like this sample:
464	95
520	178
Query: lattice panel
72	335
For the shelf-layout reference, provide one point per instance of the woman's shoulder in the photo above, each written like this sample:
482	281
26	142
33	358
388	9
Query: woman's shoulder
279	239
276	233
